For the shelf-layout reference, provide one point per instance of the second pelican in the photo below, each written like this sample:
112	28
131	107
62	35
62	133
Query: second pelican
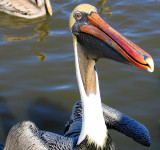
26	8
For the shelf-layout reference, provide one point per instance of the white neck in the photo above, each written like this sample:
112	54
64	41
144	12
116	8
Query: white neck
93	124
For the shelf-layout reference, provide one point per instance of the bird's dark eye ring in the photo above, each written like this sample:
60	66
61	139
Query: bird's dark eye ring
78	15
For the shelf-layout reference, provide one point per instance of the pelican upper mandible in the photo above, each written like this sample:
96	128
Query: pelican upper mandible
88	127
26	8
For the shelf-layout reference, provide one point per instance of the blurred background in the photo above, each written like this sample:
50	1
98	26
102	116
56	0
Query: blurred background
37	71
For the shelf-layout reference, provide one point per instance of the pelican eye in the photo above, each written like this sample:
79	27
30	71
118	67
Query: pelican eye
78	15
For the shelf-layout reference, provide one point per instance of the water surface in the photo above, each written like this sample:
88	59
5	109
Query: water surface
37	72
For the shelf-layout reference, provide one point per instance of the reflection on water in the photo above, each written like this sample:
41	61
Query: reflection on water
102	2
44	90
41	56
41	30
106	10
18	23
19	38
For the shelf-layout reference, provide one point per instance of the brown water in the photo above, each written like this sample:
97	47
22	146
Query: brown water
37	72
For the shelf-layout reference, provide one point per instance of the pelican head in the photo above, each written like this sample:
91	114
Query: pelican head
99	40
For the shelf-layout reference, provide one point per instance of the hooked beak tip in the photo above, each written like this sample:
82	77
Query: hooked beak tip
150	63
50	13
48	7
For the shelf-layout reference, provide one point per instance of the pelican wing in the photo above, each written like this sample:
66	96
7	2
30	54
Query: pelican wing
58	142
114	120
26	135
126	125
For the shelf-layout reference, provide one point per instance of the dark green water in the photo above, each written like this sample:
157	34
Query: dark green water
45	91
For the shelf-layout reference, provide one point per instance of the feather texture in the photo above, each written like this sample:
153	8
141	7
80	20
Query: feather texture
26	135
23	8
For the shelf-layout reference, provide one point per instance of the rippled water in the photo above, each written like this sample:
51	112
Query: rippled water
37	74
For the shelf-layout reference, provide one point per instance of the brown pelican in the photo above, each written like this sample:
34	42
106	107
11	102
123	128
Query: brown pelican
26	8
90	120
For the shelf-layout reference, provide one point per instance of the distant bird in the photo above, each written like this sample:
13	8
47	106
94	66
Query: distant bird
26	8
90	120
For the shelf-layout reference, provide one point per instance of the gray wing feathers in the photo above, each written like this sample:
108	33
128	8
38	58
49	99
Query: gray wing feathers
26	136
57	142
73	126
114	120
126	125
